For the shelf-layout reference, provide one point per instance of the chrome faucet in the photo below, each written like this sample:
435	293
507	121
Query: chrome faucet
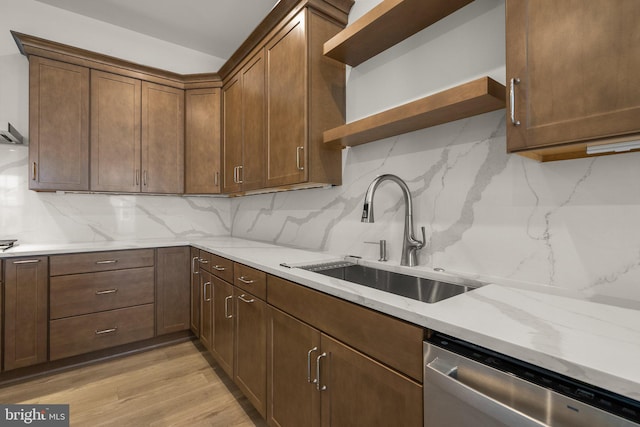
410	244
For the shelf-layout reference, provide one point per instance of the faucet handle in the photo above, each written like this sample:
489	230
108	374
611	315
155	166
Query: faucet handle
424	238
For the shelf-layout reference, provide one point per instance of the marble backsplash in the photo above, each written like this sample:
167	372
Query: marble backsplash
34	217
571	225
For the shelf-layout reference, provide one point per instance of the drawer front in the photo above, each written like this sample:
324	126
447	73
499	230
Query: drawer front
385	338
250	280
86	293
90	332
222	267
100	261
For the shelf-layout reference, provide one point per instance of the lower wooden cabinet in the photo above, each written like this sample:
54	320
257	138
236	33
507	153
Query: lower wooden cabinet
26	310
250	353
195	292
292	396
223	317
172	290
315	380
81	334
206	309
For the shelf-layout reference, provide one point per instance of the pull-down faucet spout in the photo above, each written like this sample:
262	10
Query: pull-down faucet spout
410	244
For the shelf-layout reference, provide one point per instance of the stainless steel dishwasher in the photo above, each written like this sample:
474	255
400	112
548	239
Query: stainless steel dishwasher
466	385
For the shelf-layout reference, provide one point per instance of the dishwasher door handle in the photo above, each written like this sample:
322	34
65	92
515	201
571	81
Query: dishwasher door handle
441	374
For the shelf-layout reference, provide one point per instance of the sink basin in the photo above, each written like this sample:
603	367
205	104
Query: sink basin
417	288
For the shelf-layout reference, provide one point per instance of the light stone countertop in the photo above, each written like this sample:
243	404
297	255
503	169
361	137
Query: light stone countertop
591	342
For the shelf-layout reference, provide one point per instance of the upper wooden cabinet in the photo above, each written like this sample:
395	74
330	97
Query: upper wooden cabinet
162	139
305	96
115	132
574	73
202	141
58	126
137	135
244	118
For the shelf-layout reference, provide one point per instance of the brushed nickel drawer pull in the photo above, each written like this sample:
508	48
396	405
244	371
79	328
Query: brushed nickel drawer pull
309	380
203	261
193	265
107	261
204	291
108	291
106	331
27	261
318	386
248	301
245	280
512	100
137	176
35	171
216	179
226	307
299	165
219	268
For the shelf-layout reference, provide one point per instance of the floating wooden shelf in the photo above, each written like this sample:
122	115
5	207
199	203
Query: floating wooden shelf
469	99
385	25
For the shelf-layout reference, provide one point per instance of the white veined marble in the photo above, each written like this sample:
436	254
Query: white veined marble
571	225
37	218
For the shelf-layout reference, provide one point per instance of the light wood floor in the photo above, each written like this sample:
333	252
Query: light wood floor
178	385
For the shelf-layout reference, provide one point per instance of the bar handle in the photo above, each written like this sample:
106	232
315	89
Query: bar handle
204	291
512	100
35	171
107	291
219	268
193	265
107	261
309	380
245	280
299	164
27	261
106	331
226	307
318	386
248	301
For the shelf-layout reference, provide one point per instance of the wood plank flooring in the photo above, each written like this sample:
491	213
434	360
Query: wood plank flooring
179	385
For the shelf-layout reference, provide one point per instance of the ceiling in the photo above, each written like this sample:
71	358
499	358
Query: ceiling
214	27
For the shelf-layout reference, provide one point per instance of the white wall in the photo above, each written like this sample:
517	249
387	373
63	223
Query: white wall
50	217
571	225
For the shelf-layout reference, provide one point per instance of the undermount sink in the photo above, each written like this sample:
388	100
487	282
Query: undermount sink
417	288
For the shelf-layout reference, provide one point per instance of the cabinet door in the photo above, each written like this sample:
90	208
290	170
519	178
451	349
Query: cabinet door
115	132
253	109
206	309
26	304
232	148
223	324
292	349
58	125
362	392
195	292
287	105
578	66
172	290
162	139
250	373
202	141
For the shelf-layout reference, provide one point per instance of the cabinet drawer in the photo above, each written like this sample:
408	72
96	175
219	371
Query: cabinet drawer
222	267
100	261
389	340
82	334
86	293
250	280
